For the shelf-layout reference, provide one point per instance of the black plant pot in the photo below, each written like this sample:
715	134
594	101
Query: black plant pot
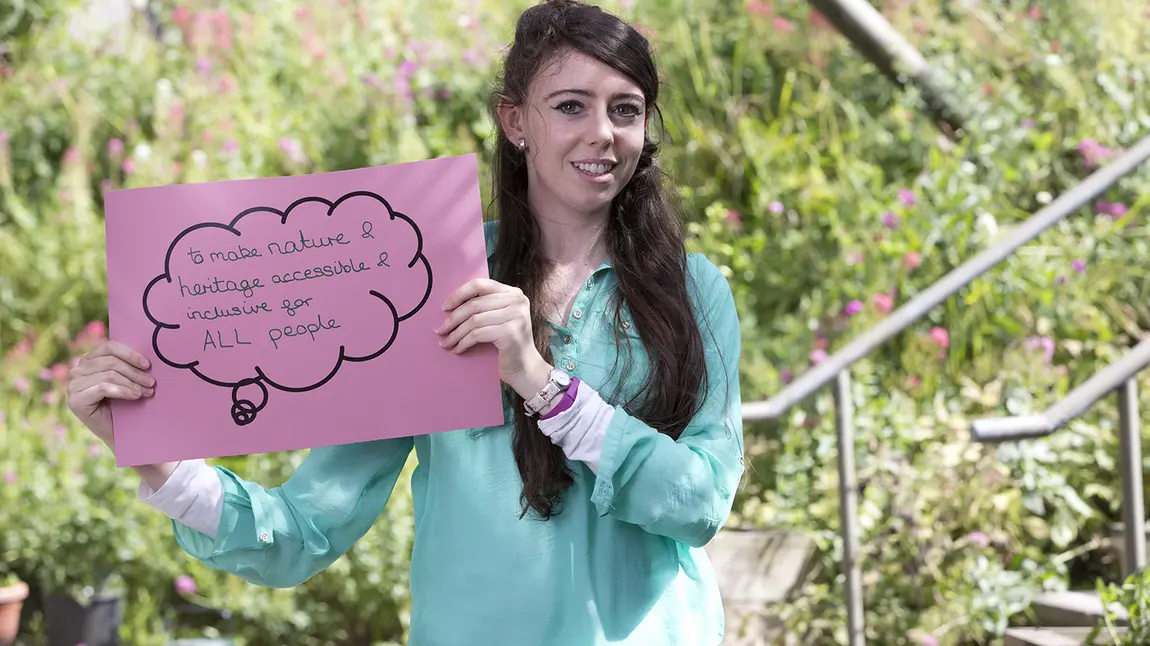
97	624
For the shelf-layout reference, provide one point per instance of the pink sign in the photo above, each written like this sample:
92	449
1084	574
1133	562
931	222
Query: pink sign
296	312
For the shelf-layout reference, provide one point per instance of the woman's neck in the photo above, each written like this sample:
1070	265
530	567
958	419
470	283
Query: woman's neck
572	239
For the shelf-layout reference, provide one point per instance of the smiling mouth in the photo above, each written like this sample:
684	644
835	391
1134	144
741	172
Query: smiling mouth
594	170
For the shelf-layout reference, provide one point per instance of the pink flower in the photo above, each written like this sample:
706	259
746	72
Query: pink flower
734	218
115	147
890	220
203	66
928	640
818	356
61	432
776	207
940	336
51	397
978	539
292	149
1078	265
1118	210
783	25
1034	12
46	374
10	477
71	155
821	342
185	585
3	137
819	20
1044	343
912	260
129	167
786	375
1028	123
21	385
60	373
95	450
883	303
1092	152
853	307
231	145
906	196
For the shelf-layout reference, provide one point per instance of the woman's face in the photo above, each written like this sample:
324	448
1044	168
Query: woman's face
583	125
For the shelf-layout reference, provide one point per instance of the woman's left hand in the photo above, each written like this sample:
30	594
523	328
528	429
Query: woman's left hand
487	311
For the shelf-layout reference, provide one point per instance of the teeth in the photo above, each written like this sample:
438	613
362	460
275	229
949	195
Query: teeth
594	169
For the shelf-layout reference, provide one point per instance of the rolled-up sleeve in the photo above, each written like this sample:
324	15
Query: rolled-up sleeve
280	537
683	489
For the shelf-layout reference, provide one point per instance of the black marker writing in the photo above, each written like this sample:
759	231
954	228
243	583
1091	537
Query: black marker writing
292	246
367	230
247	286
196	256
209	342
239	253
340	267
382	260
310	329
235	310
292	307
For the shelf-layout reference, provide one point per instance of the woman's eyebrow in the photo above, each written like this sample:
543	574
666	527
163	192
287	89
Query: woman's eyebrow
590	94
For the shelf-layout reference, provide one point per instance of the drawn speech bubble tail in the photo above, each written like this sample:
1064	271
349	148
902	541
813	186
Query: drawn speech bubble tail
244	410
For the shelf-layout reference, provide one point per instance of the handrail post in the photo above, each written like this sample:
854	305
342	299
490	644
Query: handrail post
848	506
1130	465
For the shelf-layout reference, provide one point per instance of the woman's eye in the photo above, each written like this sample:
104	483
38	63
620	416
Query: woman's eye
629	110
568	107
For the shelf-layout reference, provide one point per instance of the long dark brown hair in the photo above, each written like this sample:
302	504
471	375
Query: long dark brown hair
644	240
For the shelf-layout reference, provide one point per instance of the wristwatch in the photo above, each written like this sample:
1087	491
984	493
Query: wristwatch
556	384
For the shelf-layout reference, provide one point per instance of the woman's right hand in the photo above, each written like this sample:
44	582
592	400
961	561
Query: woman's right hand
111	371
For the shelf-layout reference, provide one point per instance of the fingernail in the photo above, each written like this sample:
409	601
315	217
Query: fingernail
148	392
147	364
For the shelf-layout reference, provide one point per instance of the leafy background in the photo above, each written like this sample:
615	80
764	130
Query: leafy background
822	191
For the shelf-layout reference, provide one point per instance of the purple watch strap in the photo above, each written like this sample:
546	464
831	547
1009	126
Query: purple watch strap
565	403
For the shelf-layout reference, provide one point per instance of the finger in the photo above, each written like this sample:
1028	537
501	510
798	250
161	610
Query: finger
482	319
111	362
117	349
107	376
91	397
474	306
471	289
488	334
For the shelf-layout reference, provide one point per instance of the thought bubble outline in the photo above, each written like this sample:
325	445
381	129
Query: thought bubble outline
244	411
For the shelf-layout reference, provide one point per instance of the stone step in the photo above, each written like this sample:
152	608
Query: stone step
1071	608
1055	636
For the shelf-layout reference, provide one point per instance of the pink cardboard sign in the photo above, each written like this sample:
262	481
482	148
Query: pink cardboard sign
296	312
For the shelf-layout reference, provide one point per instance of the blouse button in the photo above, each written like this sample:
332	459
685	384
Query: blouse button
577	314
570	365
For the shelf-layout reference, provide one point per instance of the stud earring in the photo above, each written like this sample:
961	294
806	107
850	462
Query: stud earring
522	144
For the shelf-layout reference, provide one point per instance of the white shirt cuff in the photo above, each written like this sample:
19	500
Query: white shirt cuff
192	496
580	429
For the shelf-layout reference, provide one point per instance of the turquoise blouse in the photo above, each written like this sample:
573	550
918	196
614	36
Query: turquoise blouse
621	564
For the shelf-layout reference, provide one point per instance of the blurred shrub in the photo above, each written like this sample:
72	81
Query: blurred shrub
818	187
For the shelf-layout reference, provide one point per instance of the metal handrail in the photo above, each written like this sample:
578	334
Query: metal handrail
1120	378
1077	402
837	367
819	376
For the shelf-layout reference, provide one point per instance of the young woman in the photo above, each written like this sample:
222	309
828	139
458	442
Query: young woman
581	520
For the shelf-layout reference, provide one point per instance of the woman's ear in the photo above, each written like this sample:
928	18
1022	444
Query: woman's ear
511	122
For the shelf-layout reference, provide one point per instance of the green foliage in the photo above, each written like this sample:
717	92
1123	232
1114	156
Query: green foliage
817	186
1132	598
